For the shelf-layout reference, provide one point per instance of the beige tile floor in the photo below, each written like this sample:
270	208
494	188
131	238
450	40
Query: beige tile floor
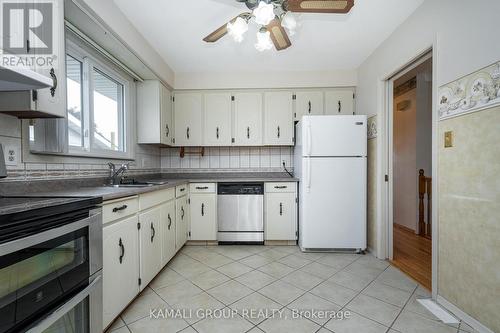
235	279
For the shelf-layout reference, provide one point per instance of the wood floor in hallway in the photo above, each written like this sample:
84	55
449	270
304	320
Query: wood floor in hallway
413	255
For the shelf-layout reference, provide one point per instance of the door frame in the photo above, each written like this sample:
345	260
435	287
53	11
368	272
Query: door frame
385	161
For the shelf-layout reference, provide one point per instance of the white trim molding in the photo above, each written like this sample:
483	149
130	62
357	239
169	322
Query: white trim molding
462	315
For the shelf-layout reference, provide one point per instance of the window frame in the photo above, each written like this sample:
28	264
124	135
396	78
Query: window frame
90	62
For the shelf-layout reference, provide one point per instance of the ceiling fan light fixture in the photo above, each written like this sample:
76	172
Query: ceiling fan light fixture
264	41
237	29
289	22
264	13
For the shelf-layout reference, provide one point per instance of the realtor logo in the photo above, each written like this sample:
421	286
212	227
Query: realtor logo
27	27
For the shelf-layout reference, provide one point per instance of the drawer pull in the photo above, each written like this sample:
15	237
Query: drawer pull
169	221
122	250
202	187
117	209
153	232
182	189
280	187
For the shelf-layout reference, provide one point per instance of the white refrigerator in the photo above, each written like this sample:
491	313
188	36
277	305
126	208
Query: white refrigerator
330	162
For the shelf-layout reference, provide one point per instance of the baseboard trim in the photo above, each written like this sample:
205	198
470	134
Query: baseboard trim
475	324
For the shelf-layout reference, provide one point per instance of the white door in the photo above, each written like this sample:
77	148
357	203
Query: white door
280	222
334	135
187	114
339	102
308	103
120	263
167	215
166	128
333	203
248	119
217	119
278	118
53	100
203	217
150	245
181	222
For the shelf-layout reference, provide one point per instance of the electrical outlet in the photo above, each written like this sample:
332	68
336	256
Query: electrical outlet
11	155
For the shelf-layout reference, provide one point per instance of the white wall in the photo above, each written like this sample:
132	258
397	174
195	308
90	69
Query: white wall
255	79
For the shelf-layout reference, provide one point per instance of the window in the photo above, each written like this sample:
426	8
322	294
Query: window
96	106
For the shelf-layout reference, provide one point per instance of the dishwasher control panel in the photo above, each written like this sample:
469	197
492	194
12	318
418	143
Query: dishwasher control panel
240	188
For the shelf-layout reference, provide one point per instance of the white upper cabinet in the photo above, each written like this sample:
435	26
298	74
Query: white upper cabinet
278	118
53	100
248	119
308	103
154	113
188	119
217	119
339	102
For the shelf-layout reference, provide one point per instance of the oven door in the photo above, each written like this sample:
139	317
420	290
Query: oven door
41	272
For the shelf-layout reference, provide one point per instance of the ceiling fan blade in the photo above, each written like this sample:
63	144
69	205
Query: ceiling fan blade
320	6
219	33
278	35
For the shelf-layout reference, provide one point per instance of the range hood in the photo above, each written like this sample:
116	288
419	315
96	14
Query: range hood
16	79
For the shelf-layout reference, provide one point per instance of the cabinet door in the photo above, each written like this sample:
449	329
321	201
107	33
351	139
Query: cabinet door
278	120
217	119
166	128
340	102
181	222
308	103
187	114
203	217
53	100
248	119
150	245
281	221
120	263
167	216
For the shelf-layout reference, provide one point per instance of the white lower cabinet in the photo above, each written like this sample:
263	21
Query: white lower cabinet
203	212
150	245
167	217
280	211
181	221
120	267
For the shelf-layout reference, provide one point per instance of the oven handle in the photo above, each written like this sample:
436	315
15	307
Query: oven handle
29	241
66	307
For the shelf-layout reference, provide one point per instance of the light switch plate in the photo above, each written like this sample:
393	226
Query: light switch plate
448	139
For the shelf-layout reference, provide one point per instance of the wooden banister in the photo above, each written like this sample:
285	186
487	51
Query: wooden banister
424	188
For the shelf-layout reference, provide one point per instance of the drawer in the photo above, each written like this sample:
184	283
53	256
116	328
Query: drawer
282	187
150	199
181	190
202	188
116	209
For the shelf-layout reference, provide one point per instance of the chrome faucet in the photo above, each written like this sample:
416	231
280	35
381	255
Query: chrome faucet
114	172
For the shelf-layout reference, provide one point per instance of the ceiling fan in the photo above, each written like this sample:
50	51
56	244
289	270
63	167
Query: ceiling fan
276	20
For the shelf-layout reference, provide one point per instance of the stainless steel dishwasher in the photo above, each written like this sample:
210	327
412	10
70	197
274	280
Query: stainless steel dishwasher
240	209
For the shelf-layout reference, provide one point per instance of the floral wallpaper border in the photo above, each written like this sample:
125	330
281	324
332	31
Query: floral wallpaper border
372	127
471	93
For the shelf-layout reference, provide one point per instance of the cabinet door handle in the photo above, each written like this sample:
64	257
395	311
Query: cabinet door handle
182	213
281	208
279	132
340	106
202	187
167	130
309	107
169	221
153	232
182	189
202	209
248	132
117	209
122	250
54	82
280	186
217	132
187	132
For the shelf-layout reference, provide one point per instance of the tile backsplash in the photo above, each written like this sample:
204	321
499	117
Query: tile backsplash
228	159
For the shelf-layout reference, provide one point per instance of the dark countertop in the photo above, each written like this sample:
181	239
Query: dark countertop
172	180
14	205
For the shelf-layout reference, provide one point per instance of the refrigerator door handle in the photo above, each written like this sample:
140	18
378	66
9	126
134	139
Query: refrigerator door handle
308	175
309	139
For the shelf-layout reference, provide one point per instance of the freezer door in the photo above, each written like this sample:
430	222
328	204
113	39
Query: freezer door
334	136
332	204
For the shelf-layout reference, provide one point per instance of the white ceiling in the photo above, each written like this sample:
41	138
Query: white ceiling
175	28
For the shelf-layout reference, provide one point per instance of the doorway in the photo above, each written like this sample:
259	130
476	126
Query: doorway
410	153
